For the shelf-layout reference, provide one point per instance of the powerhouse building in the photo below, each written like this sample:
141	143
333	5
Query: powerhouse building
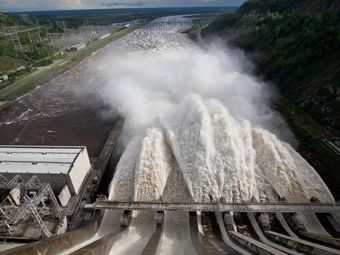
64	168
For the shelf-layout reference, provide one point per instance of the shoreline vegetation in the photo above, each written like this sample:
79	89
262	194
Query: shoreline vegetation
31	43
38	77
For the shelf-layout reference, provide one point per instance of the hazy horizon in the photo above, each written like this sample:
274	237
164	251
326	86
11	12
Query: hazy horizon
123	9
58	5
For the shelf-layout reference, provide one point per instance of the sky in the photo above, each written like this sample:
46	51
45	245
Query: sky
33	5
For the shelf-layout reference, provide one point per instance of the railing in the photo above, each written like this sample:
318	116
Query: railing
282	207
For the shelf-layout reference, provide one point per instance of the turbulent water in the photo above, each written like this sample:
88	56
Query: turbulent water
198	127
207	128
213	156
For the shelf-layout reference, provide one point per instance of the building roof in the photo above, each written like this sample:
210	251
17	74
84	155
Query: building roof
79	45
38	159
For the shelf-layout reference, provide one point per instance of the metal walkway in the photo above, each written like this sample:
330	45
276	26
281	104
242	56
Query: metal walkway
216	207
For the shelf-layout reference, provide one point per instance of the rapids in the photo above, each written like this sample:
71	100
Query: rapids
204	154
199	127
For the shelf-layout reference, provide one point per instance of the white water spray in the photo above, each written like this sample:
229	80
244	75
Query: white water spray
196	113
198	127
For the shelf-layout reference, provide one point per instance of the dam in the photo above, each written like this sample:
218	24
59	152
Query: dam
202	172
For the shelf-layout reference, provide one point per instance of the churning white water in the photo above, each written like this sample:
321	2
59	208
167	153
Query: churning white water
217	156
198	114
198	127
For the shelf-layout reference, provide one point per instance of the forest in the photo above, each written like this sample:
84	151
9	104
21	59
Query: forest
33	47
295	47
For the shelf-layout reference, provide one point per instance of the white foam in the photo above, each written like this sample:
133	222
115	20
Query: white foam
218	157
197	118
198	128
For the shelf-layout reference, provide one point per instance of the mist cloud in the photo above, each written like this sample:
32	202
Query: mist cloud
145	89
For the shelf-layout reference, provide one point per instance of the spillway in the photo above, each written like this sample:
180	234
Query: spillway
217	158
134	240
176	235
187	142
109	224
197	114
196	147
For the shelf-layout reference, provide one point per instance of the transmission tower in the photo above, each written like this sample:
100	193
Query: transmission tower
25	18
29	37
39	35
12	32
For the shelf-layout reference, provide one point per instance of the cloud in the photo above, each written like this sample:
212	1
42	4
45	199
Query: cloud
13	5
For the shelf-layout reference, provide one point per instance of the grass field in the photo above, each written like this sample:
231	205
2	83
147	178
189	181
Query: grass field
37	78
8	63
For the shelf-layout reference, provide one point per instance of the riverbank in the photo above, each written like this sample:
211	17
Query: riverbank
39	77
59	110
